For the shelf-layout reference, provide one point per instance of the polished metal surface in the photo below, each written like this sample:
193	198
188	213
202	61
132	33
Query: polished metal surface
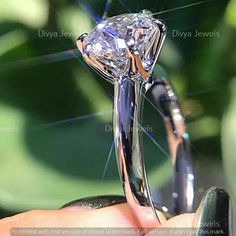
127	107
178	139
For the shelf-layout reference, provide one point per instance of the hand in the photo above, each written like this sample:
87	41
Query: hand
73	217
215	208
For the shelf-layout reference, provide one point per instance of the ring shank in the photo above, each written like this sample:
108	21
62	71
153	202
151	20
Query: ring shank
179	145
127	107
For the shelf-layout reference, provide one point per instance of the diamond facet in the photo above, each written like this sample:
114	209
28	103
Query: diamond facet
110	41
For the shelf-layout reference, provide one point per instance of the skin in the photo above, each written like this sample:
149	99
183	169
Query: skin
115	216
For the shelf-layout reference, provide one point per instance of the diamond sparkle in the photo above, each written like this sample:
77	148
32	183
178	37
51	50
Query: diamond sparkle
110	41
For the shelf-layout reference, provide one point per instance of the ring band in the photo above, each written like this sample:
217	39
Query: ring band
127	107
124	49
179	145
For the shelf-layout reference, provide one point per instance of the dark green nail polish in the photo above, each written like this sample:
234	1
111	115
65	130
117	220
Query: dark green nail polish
96	202
214	215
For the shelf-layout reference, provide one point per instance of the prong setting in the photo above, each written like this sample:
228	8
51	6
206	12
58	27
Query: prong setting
161	24
139	66
79	42
125	45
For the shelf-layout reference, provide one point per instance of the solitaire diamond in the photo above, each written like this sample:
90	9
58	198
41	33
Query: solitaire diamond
110	41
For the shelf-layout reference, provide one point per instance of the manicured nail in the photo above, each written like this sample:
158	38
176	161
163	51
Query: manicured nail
214	215
97	202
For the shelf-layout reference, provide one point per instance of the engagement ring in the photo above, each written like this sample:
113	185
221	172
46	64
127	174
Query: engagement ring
124	50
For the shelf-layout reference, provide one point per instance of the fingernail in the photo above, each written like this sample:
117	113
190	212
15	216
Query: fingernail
97	202
214	215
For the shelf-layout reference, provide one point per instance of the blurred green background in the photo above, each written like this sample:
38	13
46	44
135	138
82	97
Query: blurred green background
56	113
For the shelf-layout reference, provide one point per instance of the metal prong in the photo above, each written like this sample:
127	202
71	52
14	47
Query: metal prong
79	42
139	66
146	12
161	24
132	62
159	40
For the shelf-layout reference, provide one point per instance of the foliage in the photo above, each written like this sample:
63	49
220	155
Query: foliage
55	111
